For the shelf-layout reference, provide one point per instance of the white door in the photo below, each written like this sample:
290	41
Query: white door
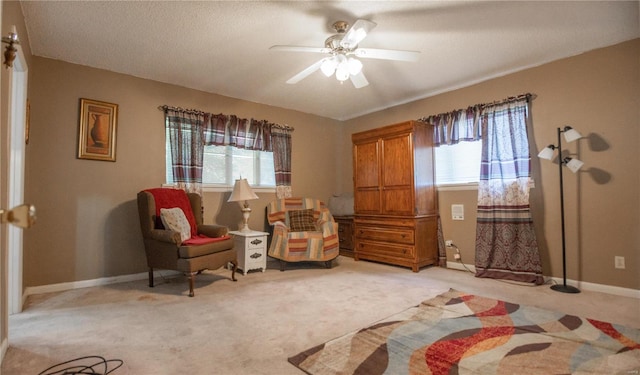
17	136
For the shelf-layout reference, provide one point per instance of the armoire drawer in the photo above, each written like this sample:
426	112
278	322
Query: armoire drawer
384	250
393	235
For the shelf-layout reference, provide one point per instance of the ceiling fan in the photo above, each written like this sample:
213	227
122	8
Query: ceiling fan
344	51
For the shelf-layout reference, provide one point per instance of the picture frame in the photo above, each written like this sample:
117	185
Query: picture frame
97	130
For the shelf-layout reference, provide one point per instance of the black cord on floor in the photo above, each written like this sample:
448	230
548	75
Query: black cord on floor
74	369
460	258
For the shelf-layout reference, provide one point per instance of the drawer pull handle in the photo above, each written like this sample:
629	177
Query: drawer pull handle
256	242
404	251
255	255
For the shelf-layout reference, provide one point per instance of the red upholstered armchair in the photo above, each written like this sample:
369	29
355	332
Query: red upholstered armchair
175	238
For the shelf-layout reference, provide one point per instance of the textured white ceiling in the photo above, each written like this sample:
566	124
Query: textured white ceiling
223	46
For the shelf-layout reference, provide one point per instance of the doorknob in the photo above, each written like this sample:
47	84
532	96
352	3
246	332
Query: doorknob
23	216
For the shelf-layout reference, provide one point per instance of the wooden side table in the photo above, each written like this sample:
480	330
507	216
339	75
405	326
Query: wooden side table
252	250
345	234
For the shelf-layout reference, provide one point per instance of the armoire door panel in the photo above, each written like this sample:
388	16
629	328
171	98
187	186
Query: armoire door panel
397	161
367	167
398	201
367	201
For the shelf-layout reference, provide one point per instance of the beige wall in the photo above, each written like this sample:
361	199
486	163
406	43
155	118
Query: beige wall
88	225
597	94
87	217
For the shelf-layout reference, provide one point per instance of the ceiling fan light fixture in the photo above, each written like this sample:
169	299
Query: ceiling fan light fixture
355	66
342	71
328	67
344	54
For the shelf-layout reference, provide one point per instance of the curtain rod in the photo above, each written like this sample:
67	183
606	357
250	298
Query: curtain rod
165	108
510	99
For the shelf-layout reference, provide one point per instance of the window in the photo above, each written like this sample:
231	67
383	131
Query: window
222	165
458	163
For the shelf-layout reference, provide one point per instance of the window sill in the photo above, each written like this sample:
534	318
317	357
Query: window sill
458	187
228	189
472	186
210	188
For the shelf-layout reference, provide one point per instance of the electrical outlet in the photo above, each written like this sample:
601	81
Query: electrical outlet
456	256
619	262
448	243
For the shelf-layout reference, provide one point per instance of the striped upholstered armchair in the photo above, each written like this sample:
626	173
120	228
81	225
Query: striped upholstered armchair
303	231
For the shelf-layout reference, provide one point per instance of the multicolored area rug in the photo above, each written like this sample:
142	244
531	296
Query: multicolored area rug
457	333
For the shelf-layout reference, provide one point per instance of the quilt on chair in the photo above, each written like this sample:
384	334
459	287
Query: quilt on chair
291	245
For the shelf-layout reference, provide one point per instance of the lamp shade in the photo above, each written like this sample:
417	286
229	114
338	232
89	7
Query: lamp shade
571	134
573	164
546	153
329	66
242	191
355	66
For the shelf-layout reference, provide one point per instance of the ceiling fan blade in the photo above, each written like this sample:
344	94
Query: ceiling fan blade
357	33
387	54
303	74
359	80
300	49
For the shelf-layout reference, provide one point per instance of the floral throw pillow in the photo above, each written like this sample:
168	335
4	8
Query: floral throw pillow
301	221
174	219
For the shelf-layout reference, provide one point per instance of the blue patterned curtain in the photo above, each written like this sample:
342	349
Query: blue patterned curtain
506	245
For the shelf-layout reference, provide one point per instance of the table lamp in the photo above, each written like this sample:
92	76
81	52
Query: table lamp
242	192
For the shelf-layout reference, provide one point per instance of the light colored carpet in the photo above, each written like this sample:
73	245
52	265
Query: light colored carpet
251	326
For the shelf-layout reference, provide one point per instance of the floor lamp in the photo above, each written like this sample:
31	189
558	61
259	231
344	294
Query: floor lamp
574	165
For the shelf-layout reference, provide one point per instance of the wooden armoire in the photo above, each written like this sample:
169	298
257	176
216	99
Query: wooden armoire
395	197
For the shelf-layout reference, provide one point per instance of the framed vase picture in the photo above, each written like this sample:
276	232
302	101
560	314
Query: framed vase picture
97	130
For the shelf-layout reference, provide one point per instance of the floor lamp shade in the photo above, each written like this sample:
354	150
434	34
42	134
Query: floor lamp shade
242	192
574	165
571	134
547	152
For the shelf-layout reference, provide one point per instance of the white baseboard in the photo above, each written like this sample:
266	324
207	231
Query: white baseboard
89	283
610	289
460	266
583	285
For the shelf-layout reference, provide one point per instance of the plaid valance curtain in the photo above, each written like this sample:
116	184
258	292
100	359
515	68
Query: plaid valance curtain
190	130
452	127
250	134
